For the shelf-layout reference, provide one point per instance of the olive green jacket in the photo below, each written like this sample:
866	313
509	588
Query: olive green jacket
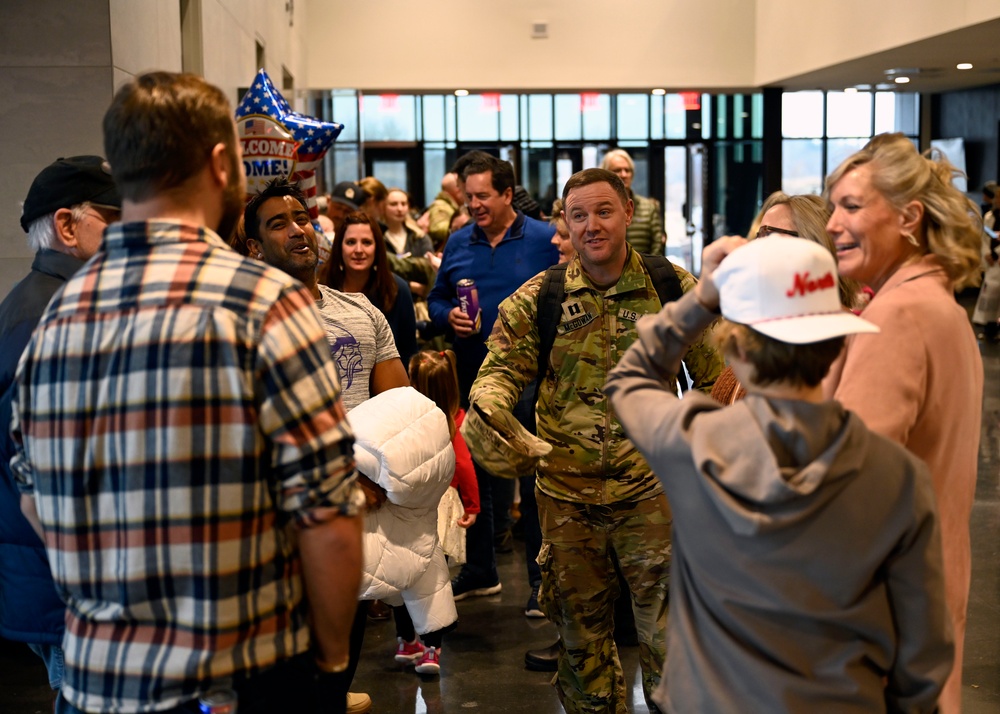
645	232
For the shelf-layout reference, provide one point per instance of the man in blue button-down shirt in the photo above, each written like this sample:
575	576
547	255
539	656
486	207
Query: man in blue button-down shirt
500	250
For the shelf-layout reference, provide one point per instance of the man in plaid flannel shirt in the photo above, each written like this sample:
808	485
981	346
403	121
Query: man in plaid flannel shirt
182	444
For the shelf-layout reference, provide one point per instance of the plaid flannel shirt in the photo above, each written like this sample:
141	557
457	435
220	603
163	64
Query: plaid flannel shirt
178	416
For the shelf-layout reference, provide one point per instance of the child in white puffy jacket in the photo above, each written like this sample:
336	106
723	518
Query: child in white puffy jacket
403	445
433	374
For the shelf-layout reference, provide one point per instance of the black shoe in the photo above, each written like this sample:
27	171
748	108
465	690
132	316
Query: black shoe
531	609
463	586
545	659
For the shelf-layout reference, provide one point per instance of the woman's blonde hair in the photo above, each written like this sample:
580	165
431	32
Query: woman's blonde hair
375	188
810	214
435	375
951	228
557	219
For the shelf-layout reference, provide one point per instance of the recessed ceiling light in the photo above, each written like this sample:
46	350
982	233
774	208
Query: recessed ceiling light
461	92
901	80
963	65
659	92
851	90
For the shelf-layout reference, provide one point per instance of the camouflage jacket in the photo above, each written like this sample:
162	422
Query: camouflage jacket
592	461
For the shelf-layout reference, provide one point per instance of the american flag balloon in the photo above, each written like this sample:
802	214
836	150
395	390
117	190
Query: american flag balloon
278	141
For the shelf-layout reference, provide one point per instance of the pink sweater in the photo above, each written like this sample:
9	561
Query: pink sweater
920	383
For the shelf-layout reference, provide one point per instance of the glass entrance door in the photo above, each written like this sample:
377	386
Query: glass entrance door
400	167
684	203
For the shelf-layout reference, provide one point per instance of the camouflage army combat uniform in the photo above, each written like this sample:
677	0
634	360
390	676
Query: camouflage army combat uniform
596	494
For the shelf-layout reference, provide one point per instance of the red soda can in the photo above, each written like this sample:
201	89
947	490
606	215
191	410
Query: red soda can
468	301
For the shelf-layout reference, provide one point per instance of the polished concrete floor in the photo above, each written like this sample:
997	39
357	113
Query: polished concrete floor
482	663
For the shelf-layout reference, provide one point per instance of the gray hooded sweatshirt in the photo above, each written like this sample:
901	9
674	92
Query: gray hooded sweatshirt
806	572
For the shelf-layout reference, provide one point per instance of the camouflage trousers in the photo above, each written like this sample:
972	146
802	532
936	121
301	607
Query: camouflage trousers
579	587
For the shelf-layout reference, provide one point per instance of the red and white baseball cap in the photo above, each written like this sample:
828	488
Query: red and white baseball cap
785	288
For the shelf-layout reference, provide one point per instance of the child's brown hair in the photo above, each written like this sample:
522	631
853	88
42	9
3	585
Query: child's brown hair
435	375
774	361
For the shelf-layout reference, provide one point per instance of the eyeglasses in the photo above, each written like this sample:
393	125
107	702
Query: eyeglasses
765	231
106	215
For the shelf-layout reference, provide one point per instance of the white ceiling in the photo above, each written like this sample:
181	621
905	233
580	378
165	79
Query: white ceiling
935	57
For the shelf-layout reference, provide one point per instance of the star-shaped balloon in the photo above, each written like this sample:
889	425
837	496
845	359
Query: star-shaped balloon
278	141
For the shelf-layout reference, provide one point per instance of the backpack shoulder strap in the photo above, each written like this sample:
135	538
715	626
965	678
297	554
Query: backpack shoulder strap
668	288
661	272
550	297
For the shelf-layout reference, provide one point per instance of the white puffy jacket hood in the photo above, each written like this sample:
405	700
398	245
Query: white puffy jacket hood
402	443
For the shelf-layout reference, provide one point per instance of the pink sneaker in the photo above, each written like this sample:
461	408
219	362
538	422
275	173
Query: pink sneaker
430	662
408	652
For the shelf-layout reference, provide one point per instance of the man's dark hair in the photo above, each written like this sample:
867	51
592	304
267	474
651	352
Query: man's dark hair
591	176
501	171
276	188
160	131
467	158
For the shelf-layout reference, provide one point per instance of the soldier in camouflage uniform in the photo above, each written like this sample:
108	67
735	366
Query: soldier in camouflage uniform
597	497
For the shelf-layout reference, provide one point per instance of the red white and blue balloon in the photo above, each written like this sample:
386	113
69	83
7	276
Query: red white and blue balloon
278	141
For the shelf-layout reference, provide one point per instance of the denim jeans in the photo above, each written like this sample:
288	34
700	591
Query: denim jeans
524	412
52	655
480	556
532	530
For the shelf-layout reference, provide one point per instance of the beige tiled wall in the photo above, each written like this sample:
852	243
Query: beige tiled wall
56	80
61	60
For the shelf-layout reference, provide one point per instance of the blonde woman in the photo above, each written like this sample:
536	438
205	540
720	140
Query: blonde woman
901	228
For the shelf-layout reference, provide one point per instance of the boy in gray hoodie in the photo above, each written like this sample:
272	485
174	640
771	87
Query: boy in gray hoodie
806	571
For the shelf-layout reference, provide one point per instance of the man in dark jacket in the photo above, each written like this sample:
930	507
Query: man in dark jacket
68	206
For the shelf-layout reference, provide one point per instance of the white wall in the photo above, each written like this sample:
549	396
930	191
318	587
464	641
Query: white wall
440	45
481	44
61	60
145	35
232	28
799	36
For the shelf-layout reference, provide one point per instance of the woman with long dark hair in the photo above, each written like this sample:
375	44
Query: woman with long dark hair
358	264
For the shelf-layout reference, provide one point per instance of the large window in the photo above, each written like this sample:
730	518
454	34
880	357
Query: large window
549	136
389	117
821	129
700	155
